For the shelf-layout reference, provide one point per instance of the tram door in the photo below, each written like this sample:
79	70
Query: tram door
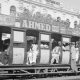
66	50
18	46
44	48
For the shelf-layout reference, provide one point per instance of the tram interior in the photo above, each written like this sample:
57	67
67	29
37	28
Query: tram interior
56	48
4	44
32	46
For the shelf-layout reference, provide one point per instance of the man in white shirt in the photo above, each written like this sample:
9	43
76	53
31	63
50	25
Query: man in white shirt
73	58
35	52
55	54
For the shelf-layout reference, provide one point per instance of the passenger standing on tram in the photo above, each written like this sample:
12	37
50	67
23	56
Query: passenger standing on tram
77	51
29	56
34	52
29	52
6	51
55	54
73	57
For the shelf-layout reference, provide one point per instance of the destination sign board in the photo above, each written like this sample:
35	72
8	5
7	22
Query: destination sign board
50	28
39	26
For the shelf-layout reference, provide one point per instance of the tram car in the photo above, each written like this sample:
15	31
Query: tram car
38	45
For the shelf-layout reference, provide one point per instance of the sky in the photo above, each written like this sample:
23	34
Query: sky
70	4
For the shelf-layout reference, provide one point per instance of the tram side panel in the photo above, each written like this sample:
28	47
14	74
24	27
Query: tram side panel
34	47
41	49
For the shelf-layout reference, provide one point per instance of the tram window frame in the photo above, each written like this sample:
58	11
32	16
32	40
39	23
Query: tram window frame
46	48
18	44
33	45
56	44
18	40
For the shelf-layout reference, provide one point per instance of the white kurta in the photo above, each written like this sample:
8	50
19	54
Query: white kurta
55	57
35	52
55	54
73	51
29	57
77	54
73	60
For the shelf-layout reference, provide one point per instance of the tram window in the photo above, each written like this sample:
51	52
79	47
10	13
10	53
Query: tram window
45	40
6	41
4	48
56	48
65	46
44	45
32	46
5	33
18	38
44	37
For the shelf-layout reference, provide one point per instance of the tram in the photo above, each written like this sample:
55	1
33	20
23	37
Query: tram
38	46
31	47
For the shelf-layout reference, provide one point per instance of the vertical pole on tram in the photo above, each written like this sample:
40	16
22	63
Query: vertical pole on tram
1	41
79	53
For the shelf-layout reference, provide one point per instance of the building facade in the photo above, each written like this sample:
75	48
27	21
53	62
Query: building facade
44	7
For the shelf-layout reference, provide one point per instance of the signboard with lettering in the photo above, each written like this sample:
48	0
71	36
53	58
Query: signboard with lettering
6	20
49	28
39	26
55	29
36	25
63	30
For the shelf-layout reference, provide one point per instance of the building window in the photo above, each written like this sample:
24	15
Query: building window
13	10
58	19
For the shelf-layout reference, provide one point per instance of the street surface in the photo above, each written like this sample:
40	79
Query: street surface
61	78
58	78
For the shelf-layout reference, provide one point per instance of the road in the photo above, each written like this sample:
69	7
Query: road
61	78
57	78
